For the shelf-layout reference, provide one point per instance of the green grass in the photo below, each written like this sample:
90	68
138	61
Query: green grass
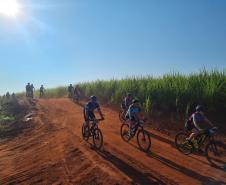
170	93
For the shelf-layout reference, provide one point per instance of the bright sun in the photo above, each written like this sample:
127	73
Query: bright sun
9	7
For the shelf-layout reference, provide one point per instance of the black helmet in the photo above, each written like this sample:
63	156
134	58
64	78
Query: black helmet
199	108
135	101
93	98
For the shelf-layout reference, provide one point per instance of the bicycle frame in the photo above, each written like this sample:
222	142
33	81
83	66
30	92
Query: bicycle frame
137	127
203	137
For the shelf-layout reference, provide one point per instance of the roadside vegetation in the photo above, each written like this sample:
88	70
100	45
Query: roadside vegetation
12	111
172	95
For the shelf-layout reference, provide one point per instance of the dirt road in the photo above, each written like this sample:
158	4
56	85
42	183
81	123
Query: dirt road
52	151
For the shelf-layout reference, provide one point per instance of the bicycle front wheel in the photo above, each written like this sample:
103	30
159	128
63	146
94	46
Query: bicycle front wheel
125	132
182	144
216	154
97	138
144	140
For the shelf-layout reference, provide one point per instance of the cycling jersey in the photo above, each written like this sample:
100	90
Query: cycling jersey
42	89
91	106
199	121
89	110
132	112
70	89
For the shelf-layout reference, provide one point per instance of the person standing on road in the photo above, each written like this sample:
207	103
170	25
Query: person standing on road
28	87
42	91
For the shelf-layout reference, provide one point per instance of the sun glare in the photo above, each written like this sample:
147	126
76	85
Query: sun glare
9	7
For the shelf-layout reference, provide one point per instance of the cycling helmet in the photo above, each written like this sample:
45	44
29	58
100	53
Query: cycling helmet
93	98
199	108
135	101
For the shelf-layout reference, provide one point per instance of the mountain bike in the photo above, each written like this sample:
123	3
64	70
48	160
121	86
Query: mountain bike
214	151
143	137
94	132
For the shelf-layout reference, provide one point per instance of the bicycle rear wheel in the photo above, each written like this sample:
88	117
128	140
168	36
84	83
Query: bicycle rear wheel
144	140
216	154
85	132
97	138
182	144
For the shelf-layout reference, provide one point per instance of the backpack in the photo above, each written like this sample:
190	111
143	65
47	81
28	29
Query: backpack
189	125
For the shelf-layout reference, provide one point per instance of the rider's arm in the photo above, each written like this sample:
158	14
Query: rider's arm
100	112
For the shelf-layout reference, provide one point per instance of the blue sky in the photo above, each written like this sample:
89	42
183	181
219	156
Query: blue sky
55	42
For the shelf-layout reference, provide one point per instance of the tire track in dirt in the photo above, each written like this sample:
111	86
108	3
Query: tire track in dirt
53	152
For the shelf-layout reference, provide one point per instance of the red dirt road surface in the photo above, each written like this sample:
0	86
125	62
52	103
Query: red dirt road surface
52	151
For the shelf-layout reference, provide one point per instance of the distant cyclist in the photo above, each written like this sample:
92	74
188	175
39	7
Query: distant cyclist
70	91
42	91
77	92
133	114
89	109
127	101
28	87
197	124
32	88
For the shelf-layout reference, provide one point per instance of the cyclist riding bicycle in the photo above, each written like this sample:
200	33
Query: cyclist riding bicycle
127	101
89	109
133	114
70	91
77	92
197	124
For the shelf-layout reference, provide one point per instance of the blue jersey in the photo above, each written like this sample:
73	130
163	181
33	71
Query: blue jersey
91	106
132	111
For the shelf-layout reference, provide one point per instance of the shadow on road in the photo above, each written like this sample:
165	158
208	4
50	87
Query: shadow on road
188	172
137	176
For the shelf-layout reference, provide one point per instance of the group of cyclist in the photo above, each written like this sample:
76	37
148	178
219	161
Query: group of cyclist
30	91
197	123
74	92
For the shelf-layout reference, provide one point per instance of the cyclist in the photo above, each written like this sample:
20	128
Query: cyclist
77	92
42	91
89	109
32	88
127	101
70	91
133	114
28	87
198	124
